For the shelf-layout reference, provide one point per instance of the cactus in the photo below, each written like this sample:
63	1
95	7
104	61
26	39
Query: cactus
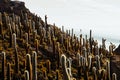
69	33
21	32
69	61
103	74
0	17
16	30
94	73
46	25
4	66
98	62
29	65
36	45
1	28
89	62
34	35
63	29
96	49
85	68
9	71
53	45
114	76
58	55
72	32
111	47
45	75
46	22
103	44
34	65
14	40
108	70
84	52
81	43
13	27
26	37
66	44
48	65
57	75
90	41
10	34
62	38
27	75
78	59
16	61
64	67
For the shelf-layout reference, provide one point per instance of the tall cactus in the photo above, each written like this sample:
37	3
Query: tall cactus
48	65
103	74
69	60
94	73
27	75
58	56
108	70
89	62
78	59
4	66
0	17
9	71
103	44
114	76
34	35
34	65
90	41
63	29
29	65
81	43
57	75
64	67
14	40
1	28
26	37
98	62
53	46
10	34
16	61
36	45
72	33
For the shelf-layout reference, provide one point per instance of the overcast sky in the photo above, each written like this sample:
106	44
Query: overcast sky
102	16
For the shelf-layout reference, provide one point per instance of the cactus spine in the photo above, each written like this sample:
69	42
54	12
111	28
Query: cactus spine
34	65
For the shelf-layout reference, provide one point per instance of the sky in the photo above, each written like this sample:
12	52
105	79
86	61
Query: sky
102	16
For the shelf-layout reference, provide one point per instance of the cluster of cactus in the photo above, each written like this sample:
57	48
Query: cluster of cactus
33	49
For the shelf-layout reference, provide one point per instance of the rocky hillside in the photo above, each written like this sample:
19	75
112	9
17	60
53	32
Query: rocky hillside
32	49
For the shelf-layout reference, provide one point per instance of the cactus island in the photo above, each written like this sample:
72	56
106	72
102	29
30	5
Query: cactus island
32	49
